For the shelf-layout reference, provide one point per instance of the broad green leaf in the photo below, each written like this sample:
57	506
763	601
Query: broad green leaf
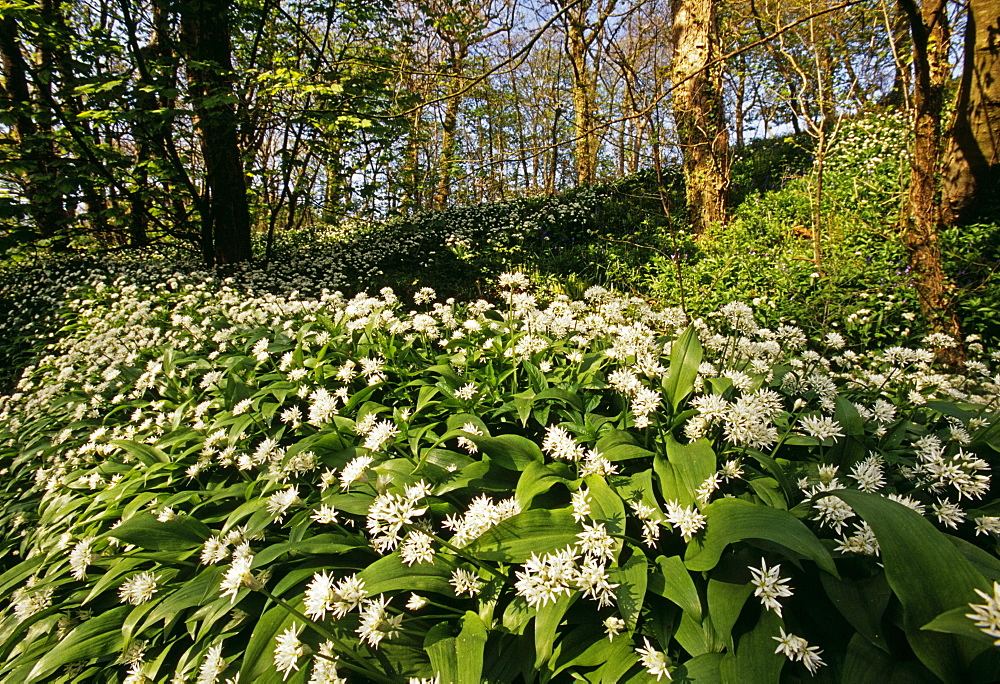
928	575
389	574
458	658
725	603
692	464
144	453
731	520
674	583
955	621
851	422
685	357
755	659
547	621
537	478
513	452
625	452
703	669
586	646
537	531
258	658
862	603
321	544
630	593
179	533
619	661
94	638
606	506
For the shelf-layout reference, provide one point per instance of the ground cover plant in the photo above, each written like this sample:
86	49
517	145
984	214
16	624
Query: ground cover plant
206	484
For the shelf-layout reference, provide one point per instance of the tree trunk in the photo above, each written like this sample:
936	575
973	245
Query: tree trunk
971	183
37	151
929	29
584	88
698	110
225	213
460	51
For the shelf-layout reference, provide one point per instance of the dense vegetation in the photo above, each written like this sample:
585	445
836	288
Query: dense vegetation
524	441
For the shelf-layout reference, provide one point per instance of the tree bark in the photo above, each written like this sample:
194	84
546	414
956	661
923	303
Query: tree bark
971	179
929	29
225	213
459	52
698	110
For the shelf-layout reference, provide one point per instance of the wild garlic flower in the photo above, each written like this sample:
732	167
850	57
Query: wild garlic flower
325	595
863	541
212	666
650	519
416	602
869	473
389	513
559	444
466	392
592	579
466	443
596	542
325	514
595	464
466	582
986	615
613	626
481	515
324	669
820	427
287	650
380	435
655	662
139	588
376	624
796	648
80	557
279	502
418	547
239	574
546	578
686	519
769	586
354	471
580	500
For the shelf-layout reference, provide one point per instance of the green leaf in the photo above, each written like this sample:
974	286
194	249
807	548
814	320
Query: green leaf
928	574
513	452
692	464
94	638
731	520
458	658
625	452
144	453
955	621
606	506
258	658
631	590
685	357
389	574
536	531
179	533
537	478
755	659
675	584
547	621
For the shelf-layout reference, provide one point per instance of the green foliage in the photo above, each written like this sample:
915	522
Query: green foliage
202	481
